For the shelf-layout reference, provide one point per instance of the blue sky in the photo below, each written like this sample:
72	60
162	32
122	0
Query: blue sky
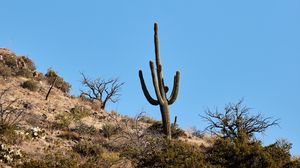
225	50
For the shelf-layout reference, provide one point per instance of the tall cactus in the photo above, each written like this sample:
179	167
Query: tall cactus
160	88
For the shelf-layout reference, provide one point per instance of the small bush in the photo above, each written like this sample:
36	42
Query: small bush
24	72
16	66
63	120
164	153
70	136
30	85
109	130
240	153
10	136
60	160
11	112
5	71
60	83
175	131
148	120
197	133
111	157
292	164
79	112
85	148
28	62
10	61
82	128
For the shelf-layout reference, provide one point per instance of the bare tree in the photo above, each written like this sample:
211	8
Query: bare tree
102	90
236	122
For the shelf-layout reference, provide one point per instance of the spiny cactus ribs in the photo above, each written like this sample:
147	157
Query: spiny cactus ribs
160	88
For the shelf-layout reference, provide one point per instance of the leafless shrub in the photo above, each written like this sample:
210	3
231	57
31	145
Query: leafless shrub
133	133
11	111
236	122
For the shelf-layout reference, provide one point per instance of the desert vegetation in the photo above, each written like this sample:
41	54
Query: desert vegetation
161	89
101	90
42	126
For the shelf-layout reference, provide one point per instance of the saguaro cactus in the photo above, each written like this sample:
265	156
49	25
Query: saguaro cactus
160	88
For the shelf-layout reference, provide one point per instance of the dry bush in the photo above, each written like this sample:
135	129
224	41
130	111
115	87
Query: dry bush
78	112
5	71
85	148
84	129
66	159
109	130
27	62
236	122
14	65
63	120
24	72
69	136
10	60
11	111
31	85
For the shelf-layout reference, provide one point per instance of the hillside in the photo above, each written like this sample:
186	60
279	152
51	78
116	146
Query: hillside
60	130
64	131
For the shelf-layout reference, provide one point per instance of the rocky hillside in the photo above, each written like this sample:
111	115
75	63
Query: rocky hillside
65	131
42	126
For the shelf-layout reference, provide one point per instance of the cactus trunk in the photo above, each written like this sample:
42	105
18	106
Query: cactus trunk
160	88
165	115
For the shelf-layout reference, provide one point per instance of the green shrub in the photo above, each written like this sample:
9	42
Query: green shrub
85	148
58	160
63	120
244	154
79	112
279	152
165	153
82	128
292	164
51	74
109	130
60	83
31	85
110	157
175	131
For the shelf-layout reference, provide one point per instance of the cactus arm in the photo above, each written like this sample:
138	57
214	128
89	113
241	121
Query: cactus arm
145	90
175	90
158	64
155	84
156	44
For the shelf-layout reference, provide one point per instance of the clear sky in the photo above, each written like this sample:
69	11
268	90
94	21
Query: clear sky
225	50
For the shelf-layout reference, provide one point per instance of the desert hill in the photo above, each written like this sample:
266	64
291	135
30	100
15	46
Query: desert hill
64	130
